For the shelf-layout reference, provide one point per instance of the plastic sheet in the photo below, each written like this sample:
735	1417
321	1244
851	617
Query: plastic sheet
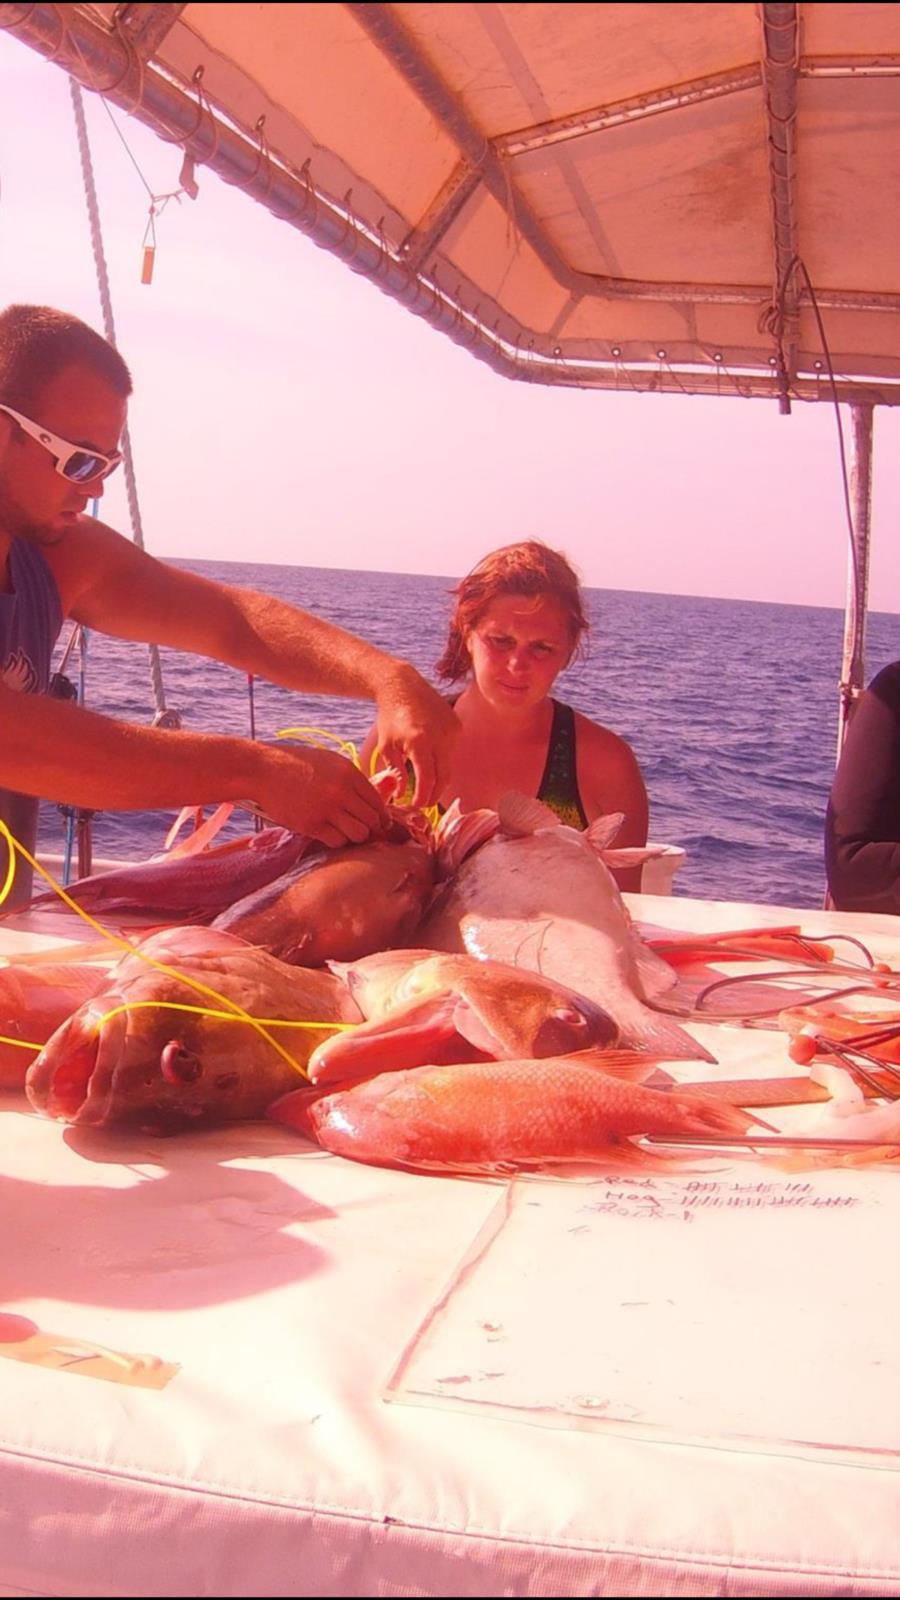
737	1307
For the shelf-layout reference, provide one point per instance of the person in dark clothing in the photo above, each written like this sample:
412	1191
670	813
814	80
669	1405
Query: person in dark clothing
862	825
63	400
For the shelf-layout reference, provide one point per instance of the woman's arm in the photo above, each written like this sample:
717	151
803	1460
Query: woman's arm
609	779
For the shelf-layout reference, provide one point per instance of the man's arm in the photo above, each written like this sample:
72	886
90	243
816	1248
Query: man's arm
107	583
60	751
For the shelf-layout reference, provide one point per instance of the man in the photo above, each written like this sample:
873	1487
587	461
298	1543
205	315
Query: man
63	399
862	822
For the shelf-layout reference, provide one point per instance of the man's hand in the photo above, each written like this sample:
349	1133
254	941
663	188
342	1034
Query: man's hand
318	793
416	725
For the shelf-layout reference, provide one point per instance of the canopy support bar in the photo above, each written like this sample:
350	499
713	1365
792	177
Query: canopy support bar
853	665
781	37
147	25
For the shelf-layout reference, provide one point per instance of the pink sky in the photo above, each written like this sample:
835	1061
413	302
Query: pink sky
287	411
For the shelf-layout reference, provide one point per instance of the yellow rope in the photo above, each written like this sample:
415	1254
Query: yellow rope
21	1044
314	736
223	1016
233	1009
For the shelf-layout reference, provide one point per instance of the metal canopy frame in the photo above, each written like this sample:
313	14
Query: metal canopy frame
113	50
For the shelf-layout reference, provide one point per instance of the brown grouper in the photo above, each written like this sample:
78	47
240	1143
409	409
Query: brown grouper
340	904
133	1055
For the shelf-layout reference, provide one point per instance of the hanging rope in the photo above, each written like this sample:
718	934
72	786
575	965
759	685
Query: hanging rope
164	717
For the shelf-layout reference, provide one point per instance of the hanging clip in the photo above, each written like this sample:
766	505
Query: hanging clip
187	183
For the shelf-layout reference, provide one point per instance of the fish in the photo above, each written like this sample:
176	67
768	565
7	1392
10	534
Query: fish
339	904
540	895
192	887
34	1002
422	1008
498	1116
164	1069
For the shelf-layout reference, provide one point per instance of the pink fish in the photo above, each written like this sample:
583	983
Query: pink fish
192	887
485	1117
424	1007
34	1002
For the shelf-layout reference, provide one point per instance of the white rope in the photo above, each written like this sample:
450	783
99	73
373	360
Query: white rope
163	716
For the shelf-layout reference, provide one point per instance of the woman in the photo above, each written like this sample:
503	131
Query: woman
517	622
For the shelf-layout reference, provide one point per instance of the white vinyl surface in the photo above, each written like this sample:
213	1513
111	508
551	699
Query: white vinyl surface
327	1425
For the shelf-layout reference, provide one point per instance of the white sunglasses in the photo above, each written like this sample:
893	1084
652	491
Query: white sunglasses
72	461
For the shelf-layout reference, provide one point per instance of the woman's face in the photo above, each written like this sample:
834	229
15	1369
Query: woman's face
518	647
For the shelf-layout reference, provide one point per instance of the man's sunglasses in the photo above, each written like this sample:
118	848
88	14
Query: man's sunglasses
72	461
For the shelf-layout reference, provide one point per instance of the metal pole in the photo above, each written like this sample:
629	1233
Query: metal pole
853	665
257	820
84	835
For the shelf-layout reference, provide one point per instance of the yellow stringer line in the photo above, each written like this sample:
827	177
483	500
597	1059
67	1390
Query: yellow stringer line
233	1009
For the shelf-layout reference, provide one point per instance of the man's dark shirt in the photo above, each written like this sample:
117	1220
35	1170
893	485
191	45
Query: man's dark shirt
862	828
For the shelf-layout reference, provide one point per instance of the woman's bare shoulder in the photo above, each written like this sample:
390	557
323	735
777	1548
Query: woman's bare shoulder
600	743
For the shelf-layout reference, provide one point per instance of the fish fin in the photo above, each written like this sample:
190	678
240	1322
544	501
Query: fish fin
521	816
472	1026
704	1114
407	1038
203	831
603	831
633	855
658	1036
654	973
631	1065
460	837
185	815
615	1157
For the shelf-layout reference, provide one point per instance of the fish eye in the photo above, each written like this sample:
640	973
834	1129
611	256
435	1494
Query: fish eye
178	1064
571	1017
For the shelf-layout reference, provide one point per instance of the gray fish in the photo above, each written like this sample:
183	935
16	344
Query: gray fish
540	895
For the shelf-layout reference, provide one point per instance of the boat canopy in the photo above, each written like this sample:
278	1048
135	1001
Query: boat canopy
688	198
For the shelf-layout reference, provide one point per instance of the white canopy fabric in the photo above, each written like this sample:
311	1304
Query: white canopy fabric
650	196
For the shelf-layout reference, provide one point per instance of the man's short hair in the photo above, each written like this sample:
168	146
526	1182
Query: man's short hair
37	342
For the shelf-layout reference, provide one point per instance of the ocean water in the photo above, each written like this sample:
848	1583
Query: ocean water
730	706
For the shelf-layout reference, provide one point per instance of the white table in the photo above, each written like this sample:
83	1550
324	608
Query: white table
285	1286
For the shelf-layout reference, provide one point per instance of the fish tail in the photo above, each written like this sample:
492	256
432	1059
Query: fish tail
699	1115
